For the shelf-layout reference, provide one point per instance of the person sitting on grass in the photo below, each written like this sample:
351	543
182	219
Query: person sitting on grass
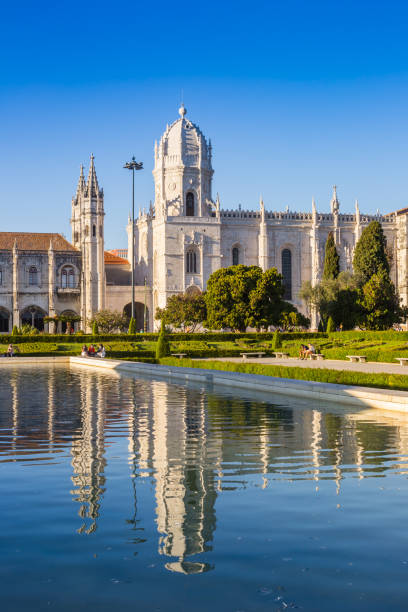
84	351
302	351
10	351
311	350
101	352
91	351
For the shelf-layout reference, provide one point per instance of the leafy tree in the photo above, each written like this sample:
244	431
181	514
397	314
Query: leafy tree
109	321
95	330
336	298
242	296
320	327
266	303
163	345
370	255
184	311
132	326
380	303
228	296
291	318
330	325
331	259
276	341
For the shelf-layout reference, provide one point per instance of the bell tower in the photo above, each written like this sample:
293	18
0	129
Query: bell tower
87	224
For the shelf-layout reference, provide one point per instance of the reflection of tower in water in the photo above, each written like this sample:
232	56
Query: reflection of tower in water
88	450
185	487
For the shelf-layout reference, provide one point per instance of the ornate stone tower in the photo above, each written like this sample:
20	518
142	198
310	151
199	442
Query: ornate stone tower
182	171
87	224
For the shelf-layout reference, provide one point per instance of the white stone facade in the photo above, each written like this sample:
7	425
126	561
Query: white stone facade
186	235
179	242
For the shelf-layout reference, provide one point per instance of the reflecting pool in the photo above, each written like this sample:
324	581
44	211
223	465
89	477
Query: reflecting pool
145	495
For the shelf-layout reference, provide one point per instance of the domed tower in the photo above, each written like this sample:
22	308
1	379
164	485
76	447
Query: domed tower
181	237
182	171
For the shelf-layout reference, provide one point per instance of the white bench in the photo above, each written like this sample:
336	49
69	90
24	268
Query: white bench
357	358
402	360
179	355
246	355
281	355
316	356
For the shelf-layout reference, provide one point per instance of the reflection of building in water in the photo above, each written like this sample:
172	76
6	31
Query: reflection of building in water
88	450
175	444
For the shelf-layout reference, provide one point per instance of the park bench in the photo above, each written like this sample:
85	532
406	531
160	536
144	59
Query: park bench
402	360
246	355
281	355
316	356
357	358
179	355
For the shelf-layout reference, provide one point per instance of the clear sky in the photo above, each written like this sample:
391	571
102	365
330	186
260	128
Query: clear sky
295	96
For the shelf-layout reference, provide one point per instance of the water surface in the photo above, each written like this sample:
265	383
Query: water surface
117	491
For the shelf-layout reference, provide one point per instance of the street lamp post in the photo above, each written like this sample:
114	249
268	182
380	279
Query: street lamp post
133	165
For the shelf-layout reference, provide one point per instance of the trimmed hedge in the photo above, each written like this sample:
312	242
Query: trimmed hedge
211	337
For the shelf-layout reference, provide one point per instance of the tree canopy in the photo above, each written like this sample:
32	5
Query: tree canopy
184	311
108	321
370	255
243	296
331	259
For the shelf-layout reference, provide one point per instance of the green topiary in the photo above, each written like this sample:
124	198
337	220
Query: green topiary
132	327
95	330
276	341
330	326
163	345
15	331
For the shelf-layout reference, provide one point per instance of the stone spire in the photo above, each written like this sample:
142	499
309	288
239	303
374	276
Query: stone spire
334	203
81	182
92	183
262	208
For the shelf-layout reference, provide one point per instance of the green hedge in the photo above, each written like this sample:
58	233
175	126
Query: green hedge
208	337
339	377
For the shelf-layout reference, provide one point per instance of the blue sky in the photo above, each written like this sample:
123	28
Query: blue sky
295	96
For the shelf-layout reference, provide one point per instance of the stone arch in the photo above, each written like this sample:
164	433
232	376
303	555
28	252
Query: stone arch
68	276
192	261
139	315
286	267
236	254
4	320
64	324
34	316
193	290
190	204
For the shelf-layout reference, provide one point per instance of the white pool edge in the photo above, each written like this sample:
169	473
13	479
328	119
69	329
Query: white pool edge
317	391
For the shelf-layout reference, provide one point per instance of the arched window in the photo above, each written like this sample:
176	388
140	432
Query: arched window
190	204
287	273
94	230
32	276
235	256
1	276
4	320
67	277
191	262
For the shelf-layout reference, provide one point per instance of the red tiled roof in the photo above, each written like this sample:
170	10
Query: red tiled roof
34	242
110	259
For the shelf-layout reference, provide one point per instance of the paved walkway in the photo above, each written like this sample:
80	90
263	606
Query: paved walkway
327	364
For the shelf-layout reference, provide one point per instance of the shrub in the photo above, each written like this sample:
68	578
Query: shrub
330	326
163	345
132	326
276	341
14	331
95	330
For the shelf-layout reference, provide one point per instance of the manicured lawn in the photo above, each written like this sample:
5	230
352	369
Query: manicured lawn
340	377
